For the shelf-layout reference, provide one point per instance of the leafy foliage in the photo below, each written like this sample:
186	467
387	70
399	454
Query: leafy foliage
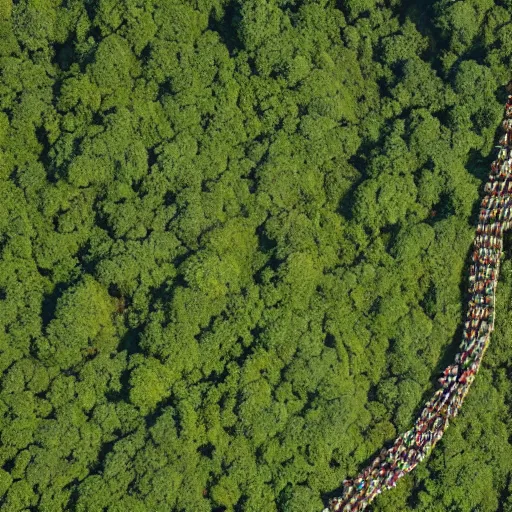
233	238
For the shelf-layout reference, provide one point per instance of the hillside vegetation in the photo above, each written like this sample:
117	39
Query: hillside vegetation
234	241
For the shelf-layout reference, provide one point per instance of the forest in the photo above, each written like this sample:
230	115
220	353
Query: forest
234	249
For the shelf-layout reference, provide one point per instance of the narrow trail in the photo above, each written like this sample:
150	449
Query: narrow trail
413	446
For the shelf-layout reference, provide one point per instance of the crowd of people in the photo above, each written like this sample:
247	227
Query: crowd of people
414	445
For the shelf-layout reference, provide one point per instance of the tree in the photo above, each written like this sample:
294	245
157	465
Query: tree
233	242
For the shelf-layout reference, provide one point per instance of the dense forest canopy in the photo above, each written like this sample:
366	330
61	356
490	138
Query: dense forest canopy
233	248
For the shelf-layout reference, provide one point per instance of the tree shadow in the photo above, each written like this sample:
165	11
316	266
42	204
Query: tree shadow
226	26
49	304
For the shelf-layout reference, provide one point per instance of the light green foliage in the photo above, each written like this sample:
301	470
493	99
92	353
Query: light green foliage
233	236
82	322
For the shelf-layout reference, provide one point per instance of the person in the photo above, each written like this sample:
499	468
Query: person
489	187
478	241
464	377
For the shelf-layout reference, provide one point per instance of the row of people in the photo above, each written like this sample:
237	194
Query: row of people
411	447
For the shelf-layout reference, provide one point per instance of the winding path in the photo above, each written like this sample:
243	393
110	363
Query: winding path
414	445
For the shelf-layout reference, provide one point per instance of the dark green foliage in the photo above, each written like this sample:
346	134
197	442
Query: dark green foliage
233	238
